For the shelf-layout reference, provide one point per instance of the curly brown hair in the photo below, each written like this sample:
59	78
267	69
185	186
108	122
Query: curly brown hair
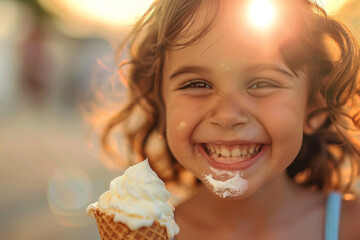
333	74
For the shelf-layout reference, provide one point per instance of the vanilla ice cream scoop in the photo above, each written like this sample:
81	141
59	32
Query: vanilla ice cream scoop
138	198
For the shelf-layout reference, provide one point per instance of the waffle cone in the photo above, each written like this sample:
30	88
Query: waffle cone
110	230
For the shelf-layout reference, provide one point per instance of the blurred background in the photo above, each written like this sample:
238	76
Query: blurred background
49	51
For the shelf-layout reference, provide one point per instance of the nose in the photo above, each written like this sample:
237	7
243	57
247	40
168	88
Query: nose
228	114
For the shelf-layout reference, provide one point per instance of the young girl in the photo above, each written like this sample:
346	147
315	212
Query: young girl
263	117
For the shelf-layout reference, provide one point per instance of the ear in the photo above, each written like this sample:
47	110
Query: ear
317	120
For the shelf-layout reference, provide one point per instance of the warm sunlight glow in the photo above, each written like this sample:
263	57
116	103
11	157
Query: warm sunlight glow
332	6
261	13
98	14
83	17
113	11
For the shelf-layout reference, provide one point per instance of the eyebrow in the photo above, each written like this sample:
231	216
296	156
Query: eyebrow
189	69
273	67
186	69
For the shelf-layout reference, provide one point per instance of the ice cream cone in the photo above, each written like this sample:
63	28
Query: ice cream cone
110	230
134	206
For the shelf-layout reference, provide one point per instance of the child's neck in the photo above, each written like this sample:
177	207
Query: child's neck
278	210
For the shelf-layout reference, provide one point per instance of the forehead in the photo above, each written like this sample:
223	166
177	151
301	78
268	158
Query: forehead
221	49
230	34
226	44
238	17
220	61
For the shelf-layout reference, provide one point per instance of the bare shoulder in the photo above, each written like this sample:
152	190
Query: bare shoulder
350	219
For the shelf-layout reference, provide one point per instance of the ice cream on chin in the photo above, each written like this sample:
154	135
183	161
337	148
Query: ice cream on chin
138	198
226	183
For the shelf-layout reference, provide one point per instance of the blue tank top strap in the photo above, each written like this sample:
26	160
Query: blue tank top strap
332	217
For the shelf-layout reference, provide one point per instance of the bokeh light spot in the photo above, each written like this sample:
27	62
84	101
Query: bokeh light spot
69	192
181	125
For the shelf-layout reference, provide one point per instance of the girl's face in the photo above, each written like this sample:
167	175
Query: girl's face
232	111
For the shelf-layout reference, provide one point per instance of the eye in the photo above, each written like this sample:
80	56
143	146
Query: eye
263	87
263	83
196	84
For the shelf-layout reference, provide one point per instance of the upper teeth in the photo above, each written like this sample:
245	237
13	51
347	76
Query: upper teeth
233	150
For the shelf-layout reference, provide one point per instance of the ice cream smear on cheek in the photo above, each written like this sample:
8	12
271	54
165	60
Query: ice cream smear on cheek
226	183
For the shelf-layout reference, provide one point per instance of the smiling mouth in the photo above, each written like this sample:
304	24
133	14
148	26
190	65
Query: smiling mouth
229	154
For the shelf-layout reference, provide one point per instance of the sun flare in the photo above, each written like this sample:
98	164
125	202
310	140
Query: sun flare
261	13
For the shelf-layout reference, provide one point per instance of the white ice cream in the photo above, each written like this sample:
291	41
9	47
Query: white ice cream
230	185
138	198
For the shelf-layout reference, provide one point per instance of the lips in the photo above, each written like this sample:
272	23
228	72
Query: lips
232	156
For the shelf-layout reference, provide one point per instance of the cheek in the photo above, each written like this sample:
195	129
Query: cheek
182	119
286	122
182	116
178	124
178	135
177	128
287	131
